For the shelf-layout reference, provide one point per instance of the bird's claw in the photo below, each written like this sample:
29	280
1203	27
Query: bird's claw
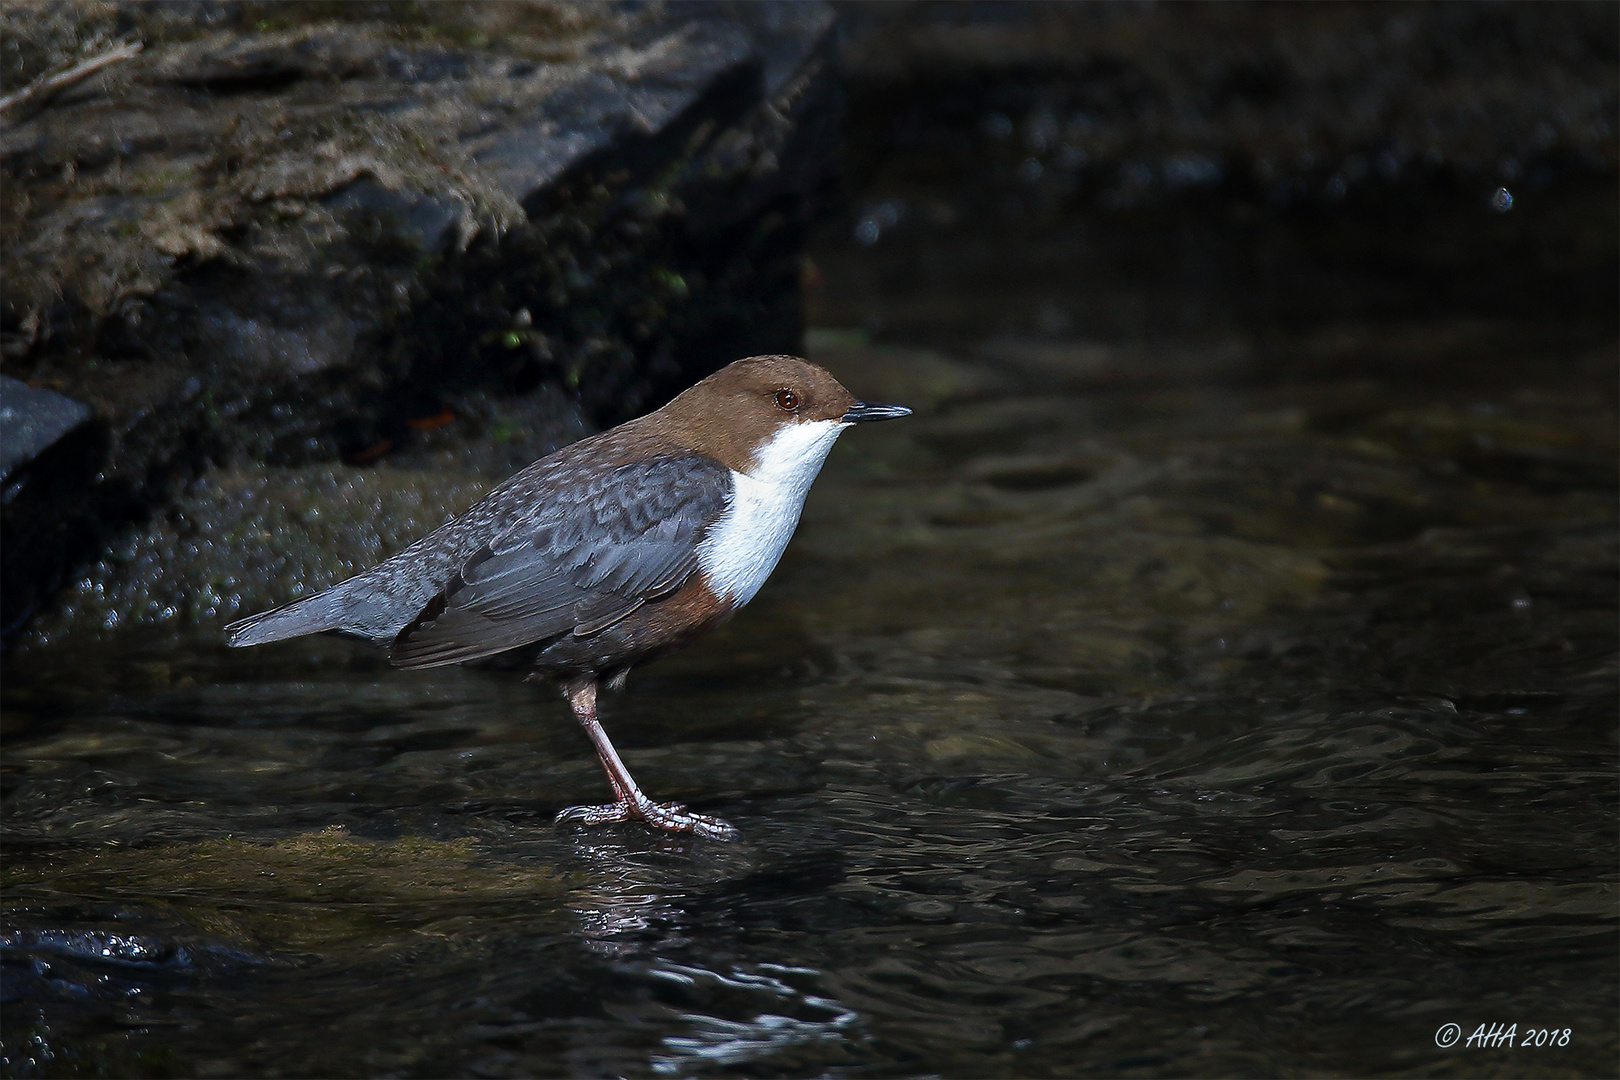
672	817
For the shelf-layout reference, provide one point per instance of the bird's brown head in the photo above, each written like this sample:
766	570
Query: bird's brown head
739	408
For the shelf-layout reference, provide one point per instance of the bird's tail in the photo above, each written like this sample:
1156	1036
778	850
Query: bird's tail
311	615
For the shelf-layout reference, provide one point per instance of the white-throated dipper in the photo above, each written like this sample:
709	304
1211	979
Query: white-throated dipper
606	553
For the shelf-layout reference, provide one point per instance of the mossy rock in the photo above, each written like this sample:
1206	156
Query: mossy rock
322	893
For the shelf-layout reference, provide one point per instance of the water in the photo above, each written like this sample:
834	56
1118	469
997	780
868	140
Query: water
1208	680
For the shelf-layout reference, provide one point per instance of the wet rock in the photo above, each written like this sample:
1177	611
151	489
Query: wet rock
32	420
294	234
50	447
241	540
234	904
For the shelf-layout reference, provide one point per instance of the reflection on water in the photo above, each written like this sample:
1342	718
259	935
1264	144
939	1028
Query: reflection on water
767	1037
1223	704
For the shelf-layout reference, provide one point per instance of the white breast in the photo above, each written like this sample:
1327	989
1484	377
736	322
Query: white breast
742	548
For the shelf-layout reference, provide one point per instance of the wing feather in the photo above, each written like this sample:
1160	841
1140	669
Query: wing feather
577	567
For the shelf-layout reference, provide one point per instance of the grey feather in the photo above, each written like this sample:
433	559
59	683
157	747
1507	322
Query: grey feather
310	615
576	564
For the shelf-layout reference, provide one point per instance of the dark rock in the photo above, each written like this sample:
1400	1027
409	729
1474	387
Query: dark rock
50	449
32	421
284	235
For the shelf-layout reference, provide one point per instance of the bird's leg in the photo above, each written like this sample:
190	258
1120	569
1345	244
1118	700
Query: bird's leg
632	805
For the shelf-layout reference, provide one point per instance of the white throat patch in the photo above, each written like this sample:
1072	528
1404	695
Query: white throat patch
742	548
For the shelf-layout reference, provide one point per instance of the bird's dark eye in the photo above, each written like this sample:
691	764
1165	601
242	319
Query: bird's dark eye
787	400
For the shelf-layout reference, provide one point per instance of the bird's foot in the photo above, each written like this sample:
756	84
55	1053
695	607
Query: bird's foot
672	817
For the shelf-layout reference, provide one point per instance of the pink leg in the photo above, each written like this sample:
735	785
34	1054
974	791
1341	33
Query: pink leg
632	805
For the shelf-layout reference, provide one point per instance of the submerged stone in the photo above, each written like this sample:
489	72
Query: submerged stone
318	892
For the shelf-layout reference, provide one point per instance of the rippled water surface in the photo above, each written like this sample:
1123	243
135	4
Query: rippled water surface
1196	702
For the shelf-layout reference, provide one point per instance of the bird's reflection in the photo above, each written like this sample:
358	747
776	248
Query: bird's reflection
634	897
634	911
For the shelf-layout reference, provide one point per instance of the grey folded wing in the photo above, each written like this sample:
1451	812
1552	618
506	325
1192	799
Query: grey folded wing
587	558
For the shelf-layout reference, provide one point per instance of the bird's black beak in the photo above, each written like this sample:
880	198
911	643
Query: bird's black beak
863	410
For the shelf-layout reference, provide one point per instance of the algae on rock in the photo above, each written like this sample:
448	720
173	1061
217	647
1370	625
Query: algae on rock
324	892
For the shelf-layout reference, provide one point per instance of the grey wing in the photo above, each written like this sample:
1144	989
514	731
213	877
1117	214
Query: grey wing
575	567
